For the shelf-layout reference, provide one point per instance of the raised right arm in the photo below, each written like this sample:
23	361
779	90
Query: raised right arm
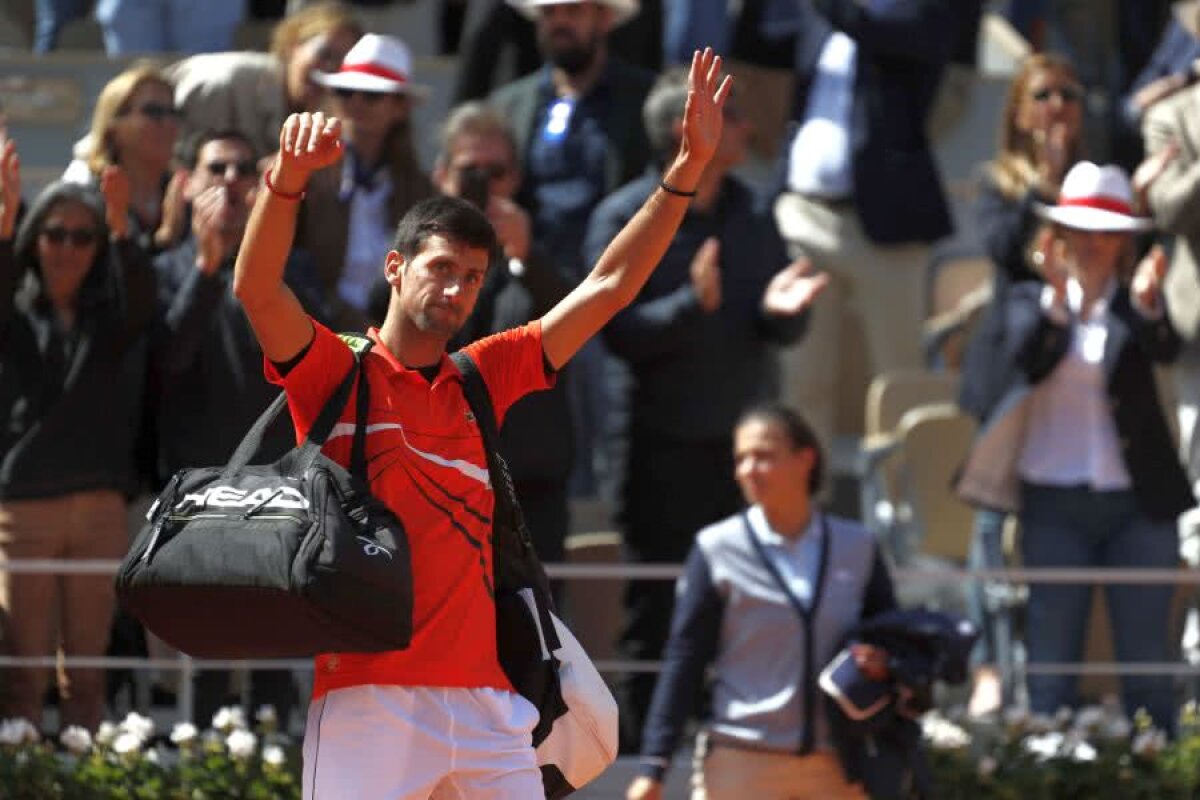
307	143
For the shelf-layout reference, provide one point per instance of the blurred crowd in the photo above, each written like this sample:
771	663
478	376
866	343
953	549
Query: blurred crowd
125	355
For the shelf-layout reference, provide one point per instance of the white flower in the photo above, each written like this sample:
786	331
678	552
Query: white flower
184	733
273	755
229	719
1062	717
127	742
76	739
1115	727
18	731
1044	745
106	733
139	726
987	766
1149	742
1082	751
266	715
241	743
152	756
943	734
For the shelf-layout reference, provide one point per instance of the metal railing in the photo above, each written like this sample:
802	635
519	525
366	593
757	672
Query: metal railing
187	666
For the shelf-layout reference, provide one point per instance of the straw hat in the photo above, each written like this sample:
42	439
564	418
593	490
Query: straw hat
376	63
1095	198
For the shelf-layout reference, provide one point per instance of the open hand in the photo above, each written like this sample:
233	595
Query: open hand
307	143
793	289
174	211
1151	170
706	275
114	185
10	188
703	115
1146	286
512	225
212	243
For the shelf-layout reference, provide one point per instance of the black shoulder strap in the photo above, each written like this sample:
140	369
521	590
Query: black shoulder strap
480	401
304	455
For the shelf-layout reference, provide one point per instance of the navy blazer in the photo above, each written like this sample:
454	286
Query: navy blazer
1032	347
903	47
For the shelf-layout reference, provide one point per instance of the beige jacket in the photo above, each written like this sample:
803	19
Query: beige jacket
1175	202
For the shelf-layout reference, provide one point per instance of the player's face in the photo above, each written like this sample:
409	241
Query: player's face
440	285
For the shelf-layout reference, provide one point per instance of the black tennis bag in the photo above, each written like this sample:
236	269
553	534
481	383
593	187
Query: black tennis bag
283	560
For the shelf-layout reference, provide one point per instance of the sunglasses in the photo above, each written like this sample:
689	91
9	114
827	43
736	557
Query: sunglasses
242	169
489	171
370	97
1067	94
156	112
78	237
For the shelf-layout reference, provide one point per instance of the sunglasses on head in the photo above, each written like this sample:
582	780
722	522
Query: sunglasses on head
1067	94
154	111
242	169
78	237
370	97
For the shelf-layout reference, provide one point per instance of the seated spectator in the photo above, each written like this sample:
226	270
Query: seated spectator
699	341
206	358
766	736
76	292
1040	138
478	161
1076	442
252	92
135	125
350	210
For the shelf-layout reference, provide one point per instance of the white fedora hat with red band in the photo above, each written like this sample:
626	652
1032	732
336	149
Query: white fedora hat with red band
623	10
376	63
1095	198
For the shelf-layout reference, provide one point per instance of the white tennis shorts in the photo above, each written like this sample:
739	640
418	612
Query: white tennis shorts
420	743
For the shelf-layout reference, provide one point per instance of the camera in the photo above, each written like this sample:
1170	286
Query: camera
473	186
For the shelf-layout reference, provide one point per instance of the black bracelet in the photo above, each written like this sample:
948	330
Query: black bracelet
669	189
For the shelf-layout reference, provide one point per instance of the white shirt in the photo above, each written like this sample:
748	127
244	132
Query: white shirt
795	559
819	160
368	237
1072	437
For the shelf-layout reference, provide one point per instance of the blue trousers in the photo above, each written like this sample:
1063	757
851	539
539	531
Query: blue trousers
1078	527
168	26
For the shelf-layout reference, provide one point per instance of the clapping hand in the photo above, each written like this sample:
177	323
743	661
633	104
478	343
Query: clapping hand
1146	286
307	143
174	211
10	188
703	115
1151	170
793	289
114	185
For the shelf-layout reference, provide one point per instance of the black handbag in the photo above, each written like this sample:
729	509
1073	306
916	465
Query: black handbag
575	738
282	560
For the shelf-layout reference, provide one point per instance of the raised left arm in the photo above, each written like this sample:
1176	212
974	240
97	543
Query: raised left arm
627	262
